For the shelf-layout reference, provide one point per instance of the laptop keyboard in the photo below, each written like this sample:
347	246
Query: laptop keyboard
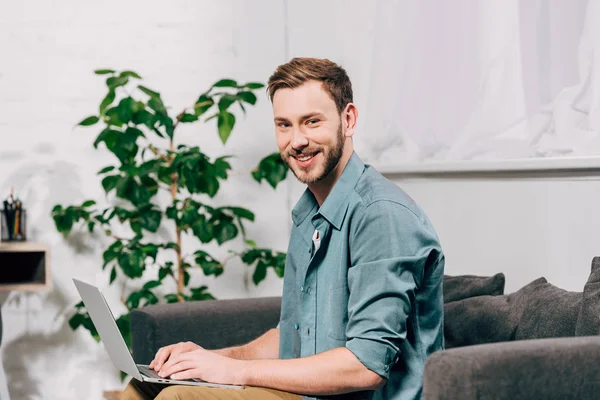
150	373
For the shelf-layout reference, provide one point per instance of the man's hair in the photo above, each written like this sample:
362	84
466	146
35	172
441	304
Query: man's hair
298	71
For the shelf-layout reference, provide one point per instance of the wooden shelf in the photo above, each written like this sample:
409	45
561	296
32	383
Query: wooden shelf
24	267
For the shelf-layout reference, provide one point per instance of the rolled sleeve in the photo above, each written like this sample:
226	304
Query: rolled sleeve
390	247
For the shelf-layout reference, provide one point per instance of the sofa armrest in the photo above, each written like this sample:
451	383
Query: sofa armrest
558	368
212	324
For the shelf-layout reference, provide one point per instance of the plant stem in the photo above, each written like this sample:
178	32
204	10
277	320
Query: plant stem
180	270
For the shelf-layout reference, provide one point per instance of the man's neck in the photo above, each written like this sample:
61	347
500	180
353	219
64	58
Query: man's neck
322	188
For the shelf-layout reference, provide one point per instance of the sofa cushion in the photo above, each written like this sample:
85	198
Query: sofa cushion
550	312
466	286
588	321
486	319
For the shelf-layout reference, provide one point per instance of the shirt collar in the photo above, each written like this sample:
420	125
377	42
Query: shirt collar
335	205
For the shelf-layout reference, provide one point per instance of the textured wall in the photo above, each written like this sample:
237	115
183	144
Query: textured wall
48	52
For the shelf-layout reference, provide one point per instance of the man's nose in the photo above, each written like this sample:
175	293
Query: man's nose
299	139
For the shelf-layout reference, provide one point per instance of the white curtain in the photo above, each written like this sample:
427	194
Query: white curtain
493	79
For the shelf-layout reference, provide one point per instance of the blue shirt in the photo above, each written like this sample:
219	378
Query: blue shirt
373	284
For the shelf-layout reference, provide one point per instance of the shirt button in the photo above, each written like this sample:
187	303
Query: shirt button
309	250
308	331
302	288
297	326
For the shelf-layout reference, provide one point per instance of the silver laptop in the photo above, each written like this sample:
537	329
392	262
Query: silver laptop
105	323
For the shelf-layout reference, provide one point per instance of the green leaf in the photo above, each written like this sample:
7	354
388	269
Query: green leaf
203	104
149	92
209	265
150	220
226	83
113	275
186	278
226	100
186	118
126	108
241	212
157	105
201	293
91	226
116	81
106	169
171	245
224	232
260	273
132	264
203	230
104	71
151	284
76	320
225	123
163	272
110	182
254	85
112	117
248	97
108	136
88	203
250	243
272	169
171	298
221	166
107	101
144	117
89	121
130	74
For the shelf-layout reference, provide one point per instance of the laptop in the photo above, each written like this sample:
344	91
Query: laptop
105	323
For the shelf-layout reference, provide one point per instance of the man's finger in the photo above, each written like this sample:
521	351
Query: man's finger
174	359
161	355
187	374
179	367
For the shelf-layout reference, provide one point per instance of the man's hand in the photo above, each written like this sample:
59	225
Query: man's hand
165	353
204	364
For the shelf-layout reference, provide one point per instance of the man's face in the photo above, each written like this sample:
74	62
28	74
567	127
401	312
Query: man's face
309	131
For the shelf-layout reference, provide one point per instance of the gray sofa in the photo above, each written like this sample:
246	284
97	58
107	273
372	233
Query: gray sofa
503	346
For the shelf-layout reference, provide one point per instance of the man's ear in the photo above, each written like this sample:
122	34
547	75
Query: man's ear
349	117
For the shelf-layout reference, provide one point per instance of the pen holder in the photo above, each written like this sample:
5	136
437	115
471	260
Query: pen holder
13	225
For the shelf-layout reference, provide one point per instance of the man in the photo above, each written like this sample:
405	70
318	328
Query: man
362	298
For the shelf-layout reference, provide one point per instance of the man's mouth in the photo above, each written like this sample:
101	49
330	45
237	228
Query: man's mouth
304	160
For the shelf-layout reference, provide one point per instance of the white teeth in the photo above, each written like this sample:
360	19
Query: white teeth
303	159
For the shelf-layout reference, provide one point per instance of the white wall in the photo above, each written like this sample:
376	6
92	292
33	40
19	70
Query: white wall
525	226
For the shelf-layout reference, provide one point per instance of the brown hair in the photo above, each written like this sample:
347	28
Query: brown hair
301	70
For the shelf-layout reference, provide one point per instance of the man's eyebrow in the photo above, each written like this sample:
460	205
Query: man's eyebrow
312	115
303	118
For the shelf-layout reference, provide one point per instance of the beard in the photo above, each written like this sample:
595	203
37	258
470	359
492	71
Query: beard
332	158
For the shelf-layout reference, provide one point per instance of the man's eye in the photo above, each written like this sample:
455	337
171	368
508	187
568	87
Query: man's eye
313	121
283	125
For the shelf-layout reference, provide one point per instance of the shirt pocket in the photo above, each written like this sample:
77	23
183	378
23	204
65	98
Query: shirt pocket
337	308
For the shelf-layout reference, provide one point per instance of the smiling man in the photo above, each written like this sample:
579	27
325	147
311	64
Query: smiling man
362	300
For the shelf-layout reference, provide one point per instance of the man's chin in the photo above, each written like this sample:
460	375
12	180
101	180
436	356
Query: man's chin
305	177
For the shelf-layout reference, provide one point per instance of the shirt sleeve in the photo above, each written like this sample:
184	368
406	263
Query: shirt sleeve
389	249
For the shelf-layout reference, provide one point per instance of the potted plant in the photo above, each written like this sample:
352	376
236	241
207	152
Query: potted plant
139	131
